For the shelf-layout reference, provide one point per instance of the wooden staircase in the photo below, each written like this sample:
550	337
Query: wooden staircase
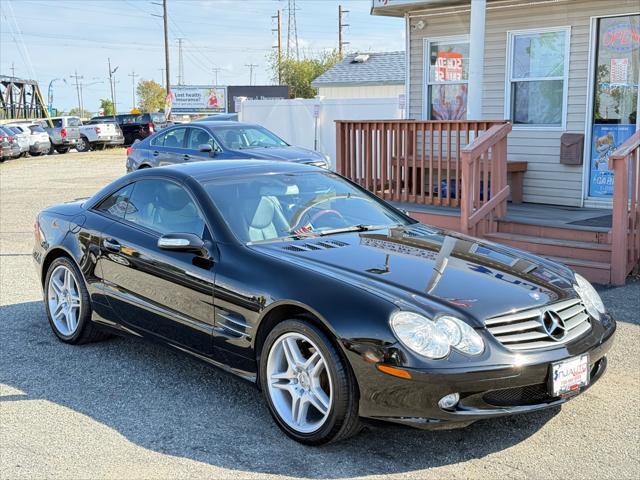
586	251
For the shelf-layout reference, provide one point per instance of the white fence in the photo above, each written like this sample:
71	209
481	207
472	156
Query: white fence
295	121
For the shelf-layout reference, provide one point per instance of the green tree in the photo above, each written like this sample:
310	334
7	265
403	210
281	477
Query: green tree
107	106
298	74
150	96
75	112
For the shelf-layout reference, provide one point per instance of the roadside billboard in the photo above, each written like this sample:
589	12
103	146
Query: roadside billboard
255	92
198	99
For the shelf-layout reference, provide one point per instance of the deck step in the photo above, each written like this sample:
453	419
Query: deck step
597	272
580	235
597	252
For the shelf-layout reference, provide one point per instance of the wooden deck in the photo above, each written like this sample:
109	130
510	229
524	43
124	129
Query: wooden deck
453	175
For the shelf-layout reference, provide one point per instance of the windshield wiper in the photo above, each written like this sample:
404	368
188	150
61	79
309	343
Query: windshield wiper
353	228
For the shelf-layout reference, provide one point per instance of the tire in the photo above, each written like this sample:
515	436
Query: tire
83	145
340	420
51	150
85	330
63	149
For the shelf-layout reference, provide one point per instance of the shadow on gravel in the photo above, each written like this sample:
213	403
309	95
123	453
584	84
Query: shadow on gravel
168	403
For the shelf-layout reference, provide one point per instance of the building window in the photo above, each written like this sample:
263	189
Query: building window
447	74
538	68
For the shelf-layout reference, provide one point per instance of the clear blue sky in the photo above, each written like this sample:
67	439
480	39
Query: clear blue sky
47	39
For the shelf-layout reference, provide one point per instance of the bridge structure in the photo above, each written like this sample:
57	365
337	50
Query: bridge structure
20	99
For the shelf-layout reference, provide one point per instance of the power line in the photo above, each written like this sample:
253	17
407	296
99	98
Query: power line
133	76
292	30
78	79
251	67
279	45
180	63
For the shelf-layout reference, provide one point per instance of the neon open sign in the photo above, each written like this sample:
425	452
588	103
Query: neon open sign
622	37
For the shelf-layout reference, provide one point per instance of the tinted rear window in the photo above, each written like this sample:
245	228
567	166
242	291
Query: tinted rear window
158	117
74	122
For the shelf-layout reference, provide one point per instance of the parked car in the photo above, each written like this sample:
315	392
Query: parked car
9	142
22	138
219	140
335	303
99	133
220	117
138	126
38	138
64	134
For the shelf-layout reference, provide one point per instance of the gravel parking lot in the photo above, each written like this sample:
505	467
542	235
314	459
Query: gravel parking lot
125	409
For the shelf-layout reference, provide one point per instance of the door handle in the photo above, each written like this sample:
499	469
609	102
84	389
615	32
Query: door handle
111	245
156	153
186	156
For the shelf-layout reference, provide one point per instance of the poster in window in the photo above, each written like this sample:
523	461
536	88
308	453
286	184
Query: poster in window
605	140
449	101
448	67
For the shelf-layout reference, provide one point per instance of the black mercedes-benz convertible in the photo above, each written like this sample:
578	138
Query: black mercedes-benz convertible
337	305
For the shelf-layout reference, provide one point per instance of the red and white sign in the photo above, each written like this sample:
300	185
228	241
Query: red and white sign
448	67
619	70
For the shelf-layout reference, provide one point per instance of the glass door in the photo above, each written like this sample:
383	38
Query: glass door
615	96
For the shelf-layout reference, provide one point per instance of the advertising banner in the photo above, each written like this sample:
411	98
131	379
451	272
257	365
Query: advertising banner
448	67
198	99
605	140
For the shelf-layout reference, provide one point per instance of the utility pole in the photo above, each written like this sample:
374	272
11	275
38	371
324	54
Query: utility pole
215	71
279	46
251	67
180	63
341	25
13	70
112	86
133	76
77	78
165	21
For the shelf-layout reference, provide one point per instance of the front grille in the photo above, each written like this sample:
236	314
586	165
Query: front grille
511	397
526	330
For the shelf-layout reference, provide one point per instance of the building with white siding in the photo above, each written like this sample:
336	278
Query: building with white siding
364	75
551	68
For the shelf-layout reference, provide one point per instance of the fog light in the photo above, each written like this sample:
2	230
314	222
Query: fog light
449	401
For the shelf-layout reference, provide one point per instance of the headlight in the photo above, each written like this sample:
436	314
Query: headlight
589	296
435	339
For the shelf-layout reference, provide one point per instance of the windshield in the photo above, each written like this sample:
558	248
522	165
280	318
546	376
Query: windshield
240	138
270	207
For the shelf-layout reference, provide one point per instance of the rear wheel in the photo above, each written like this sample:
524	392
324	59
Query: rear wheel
310	390
83	145
62	149
68	304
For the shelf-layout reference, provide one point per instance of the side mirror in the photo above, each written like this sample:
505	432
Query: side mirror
183	242
205	148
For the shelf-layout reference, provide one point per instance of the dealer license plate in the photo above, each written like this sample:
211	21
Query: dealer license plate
570	375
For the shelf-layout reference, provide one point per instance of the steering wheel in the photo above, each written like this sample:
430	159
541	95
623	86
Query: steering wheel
314	218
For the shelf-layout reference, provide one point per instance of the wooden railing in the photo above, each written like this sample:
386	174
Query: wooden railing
484	181
625	228
407	160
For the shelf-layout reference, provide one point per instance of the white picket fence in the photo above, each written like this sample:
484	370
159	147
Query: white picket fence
295	122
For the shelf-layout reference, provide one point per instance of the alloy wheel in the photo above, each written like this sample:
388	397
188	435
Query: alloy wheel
299	382
64	300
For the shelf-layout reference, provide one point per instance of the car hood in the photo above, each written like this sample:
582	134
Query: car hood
290	153
433	270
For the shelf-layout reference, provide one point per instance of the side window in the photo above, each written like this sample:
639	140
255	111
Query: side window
158	140
174	138
197	137
57	123
116	203
164	207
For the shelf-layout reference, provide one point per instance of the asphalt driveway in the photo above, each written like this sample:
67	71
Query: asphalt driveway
125	409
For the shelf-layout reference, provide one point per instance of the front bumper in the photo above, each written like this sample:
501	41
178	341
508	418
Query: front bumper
503	383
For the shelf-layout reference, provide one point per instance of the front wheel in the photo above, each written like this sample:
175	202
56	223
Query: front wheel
83	145
310	390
